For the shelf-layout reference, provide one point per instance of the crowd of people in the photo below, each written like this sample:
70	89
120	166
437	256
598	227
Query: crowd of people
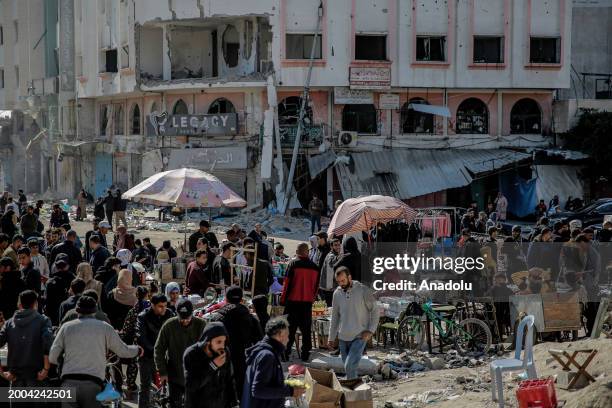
78	311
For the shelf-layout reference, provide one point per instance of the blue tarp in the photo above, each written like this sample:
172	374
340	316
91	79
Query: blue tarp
521	193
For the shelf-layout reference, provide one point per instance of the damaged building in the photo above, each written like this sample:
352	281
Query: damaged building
218	85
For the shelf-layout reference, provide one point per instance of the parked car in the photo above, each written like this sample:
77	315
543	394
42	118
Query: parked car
591	214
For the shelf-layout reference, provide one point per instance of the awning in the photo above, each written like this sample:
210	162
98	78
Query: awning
432	109
411	173
320	162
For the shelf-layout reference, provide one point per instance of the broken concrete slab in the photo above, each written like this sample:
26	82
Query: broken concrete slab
365	367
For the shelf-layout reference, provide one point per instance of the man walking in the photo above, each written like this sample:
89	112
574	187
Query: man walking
28	335
299	292
84	344
175	336
120	206
316	209
109	207
354	319
243	330
28	222
148	325
327	283
202	232
69	248
209	378
29	274
264	385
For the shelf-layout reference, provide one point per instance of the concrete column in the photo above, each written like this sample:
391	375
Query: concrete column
167	67
500	113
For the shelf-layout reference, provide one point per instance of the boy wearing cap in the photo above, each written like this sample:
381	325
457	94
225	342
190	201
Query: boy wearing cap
209	377
175	336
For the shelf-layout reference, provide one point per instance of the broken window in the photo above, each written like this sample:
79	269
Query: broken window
489	50
231	46
360	118
248	39
135	123
110	61
414	121
525	117
103	119
221	105
545	50
119	120
289	111
473	117
125	57
371	47
180	108
299	46
431	48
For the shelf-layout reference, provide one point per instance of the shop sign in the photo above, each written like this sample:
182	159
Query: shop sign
370	77
389	101
164	124
208	159
347	96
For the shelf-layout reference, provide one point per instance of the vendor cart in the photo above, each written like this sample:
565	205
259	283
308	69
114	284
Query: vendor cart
553	312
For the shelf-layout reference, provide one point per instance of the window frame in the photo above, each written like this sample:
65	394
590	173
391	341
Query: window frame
431	61
305	52
558	50
386	50
405	111
359	129
501	43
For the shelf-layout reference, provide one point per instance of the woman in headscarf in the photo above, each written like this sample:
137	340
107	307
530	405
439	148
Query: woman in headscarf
128	335
121	299
85	272
173	292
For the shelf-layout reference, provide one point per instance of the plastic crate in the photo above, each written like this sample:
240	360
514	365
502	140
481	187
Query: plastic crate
538	393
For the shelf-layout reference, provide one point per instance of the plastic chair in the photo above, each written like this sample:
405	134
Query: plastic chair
526	364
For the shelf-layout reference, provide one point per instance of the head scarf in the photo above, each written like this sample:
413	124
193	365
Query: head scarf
170	287
124	255
125	293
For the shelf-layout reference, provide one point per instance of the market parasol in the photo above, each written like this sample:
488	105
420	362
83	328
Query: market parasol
184	188
362	213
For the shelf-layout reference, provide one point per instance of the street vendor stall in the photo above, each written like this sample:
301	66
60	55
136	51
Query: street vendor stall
184	188
552	311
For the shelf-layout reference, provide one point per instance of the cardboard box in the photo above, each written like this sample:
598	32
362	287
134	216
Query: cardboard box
356	394
325	390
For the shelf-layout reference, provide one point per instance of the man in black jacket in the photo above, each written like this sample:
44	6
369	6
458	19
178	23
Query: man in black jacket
99	253
203	232
109	207
148	325
243	330
88	234
209	379
59	217
119	209
264	384
68	247
57	288
77	287
29	275
29	337
11	287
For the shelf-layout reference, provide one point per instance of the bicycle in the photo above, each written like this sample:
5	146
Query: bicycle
469	335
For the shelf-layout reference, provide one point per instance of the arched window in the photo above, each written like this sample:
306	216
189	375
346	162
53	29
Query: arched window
221	105
473	117
526	117
103	119
135	122
359	118
414	121
289	111
180	108
119	120
231	45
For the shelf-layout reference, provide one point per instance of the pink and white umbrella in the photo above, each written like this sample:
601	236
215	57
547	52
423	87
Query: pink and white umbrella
184	188
362	213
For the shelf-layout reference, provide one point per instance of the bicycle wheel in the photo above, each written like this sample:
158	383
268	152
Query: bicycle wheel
472	335
411	333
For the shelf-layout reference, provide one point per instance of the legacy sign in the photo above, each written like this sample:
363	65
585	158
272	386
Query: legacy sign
164	124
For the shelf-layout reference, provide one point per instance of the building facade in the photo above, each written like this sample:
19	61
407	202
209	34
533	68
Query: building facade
414	77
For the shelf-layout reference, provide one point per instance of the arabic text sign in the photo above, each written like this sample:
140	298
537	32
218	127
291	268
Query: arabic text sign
208	159
389	101
347	96
163	124
370	77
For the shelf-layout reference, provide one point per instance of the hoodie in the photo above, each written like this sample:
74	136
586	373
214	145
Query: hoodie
28	335
57	292
264	384
207	385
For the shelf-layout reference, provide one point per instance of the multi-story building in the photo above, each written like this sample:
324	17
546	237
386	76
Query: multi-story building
404	90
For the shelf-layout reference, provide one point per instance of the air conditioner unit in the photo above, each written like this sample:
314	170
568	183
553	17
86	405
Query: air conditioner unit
347	139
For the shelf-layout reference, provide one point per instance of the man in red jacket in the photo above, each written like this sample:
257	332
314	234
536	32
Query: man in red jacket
299	292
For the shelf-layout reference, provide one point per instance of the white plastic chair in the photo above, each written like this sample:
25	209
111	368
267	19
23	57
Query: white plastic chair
526	364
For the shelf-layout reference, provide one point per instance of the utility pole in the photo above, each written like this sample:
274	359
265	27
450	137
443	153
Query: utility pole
298	136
